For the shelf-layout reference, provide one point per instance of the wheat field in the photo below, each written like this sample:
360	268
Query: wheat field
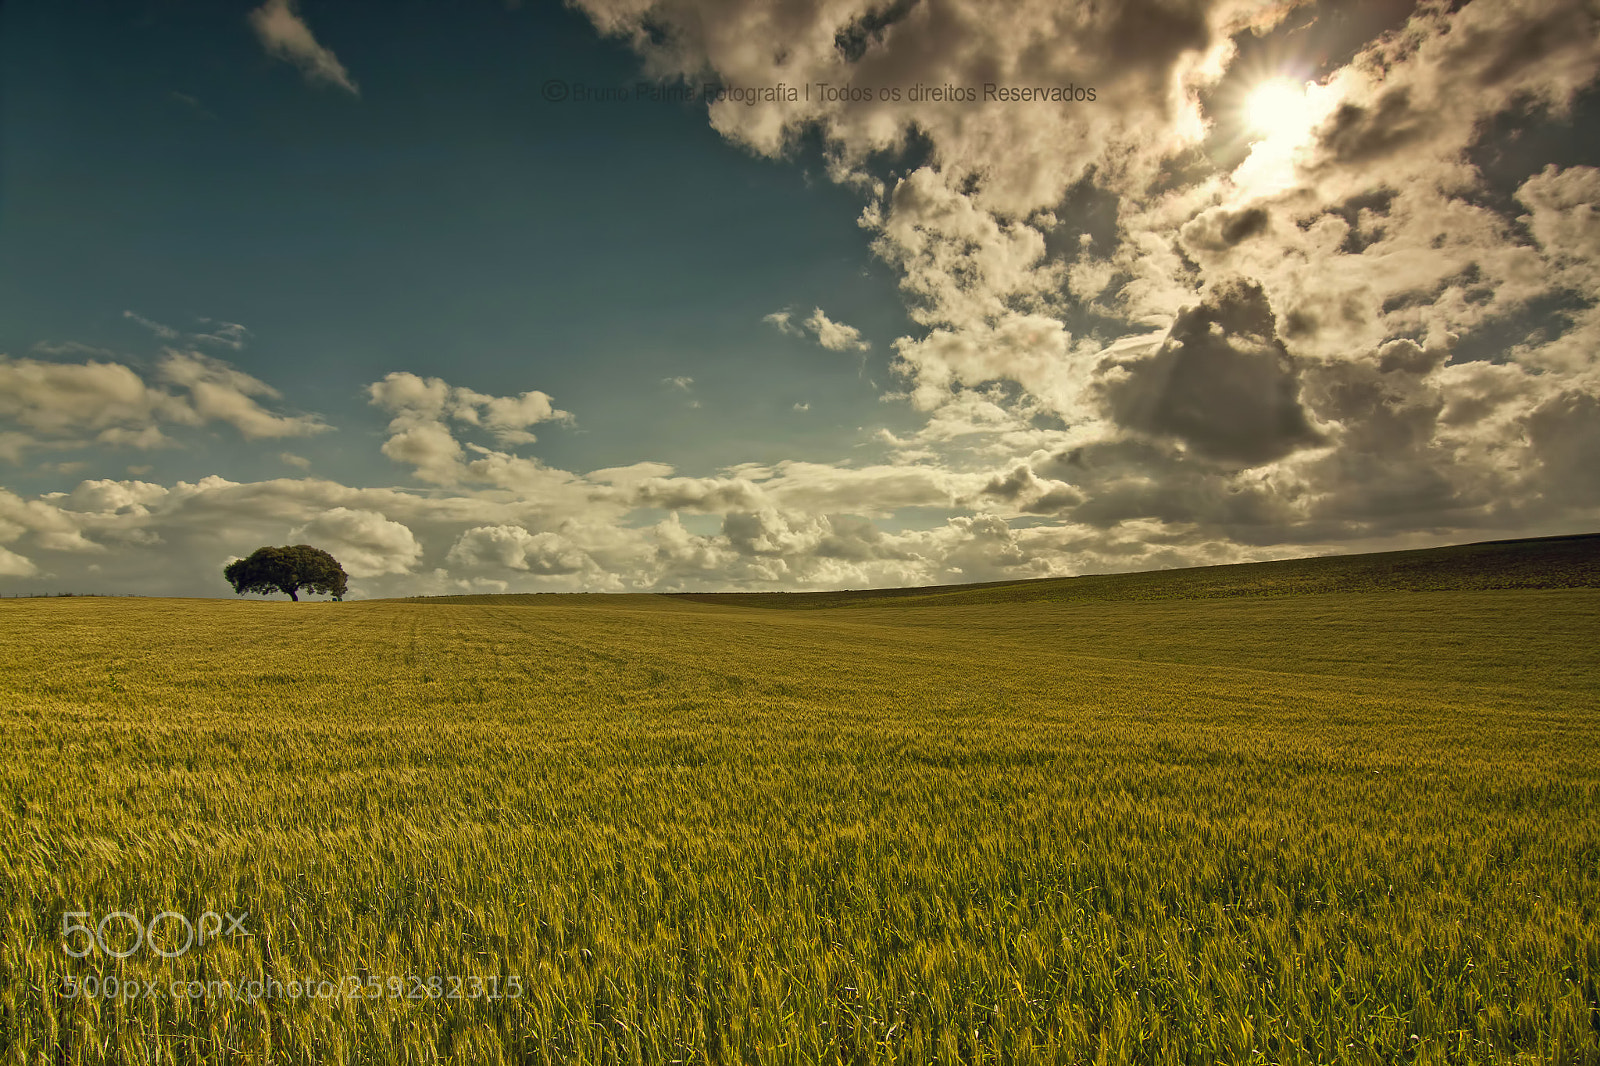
1336	828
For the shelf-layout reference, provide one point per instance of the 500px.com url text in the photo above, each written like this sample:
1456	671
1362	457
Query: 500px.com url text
350	986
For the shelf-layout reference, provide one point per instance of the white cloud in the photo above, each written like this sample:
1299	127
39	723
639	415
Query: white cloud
58	404
685	385
222	393
115	497
285	35
628	476
14	565
166	333
70	405
507	417
229	334
835	336
365	542
780	321
56	400
429	448
514	548
420	437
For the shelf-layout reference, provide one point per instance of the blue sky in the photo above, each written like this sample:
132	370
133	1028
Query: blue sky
447	219
1301	278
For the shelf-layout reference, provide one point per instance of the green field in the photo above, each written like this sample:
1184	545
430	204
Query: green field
1246	822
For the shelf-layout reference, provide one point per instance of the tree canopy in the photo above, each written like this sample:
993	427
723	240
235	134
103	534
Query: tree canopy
288	570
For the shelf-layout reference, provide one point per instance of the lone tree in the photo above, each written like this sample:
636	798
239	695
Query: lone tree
287	570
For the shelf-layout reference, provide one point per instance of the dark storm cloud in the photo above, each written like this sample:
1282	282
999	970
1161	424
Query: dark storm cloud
1154	34
1022	488
1222	382
1138	480
1565	433
1357	134
1387	414
1220	229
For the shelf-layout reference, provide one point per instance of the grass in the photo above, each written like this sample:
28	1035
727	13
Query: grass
1353	827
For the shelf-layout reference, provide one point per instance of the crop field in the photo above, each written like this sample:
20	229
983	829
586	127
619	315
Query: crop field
1338	827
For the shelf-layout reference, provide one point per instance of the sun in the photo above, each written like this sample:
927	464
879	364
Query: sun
1279	117
1279	110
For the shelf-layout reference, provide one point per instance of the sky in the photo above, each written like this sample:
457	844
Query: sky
634	295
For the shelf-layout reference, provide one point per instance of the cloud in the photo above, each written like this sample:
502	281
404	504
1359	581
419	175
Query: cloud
61	400
190	102
285	35
507	417
166	333
412	398
1143	59
226	334
1034	351
1562	217
222	393
171	539
74	405
961	263
299	462
14	565
705	495
365	542
682	384
1217	228
627	476
1417	96
1222	382
1125	503
429	448
1023	489
835	336
780	321
1565	434
419	435
116	497
514	548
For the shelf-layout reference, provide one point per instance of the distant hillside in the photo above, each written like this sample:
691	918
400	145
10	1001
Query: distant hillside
1532	563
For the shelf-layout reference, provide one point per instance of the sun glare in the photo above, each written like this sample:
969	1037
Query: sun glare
1278	109
1279	117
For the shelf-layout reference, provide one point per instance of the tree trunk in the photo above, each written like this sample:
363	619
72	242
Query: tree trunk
293	595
